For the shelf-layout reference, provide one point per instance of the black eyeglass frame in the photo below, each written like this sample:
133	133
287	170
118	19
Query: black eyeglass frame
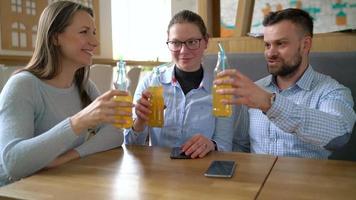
185	43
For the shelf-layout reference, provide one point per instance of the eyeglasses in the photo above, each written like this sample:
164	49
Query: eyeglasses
191	44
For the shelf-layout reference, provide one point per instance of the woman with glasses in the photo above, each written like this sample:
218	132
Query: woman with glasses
188	120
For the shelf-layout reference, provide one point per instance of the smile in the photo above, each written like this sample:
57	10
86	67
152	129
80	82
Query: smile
90	52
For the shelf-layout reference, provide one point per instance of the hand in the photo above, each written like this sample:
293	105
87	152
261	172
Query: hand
198	146
102	110
245	91
64	158
142	110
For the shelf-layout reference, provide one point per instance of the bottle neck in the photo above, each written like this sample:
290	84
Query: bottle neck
221	64
155	79
121	82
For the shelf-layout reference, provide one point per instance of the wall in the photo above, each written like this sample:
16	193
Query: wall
178	5
241	43
105	29
17	58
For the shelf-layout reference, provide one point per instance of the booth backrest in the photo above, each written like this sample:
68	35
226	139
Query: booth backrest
102	76
339	65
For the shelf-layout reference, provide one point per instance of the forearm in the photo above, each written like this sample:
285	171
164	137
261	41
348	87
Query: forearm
106	138
134	137
314	126
24	157
138	125
64	158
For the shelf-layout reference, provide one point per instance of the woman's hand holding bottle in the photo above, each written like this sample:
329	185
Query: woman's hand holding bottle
149	108
142	110
102	110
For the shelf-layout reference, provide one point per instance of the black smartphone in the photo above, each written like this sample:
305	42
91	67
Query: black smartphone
221	168
177	153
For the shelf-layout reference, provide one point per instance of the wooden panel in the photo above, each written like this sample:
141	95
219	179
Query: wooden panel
209	10
243	17
96	9
23	60
328	42
8	17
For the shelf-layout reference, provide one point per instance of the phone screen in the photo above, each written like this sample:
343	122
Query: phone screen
177	153
221	168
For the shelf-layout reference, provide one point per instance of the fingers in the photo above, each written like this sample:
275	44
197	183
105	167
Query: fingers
201	151
197	146
146	94
187	145
142	108
111	93
231	77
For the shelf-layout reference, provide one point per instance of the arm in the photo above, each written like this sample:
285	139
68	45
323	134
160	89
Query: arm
23	152
106	136
64	158
333	118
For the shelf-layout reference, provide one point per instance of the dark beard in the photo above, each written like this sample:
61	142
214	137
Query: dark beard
287	70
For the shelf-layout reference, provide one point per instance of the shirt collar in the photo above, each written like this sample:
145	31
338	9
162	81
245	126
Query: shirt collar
307	78
167	76
304	81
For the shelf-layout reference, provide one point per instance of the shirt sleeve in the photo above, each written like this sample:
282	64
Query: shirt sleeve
223	132
106	136
22	153
333	117
241	137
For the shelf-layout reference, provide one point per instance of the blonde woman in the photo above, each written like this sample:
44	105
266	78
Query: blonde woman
47	107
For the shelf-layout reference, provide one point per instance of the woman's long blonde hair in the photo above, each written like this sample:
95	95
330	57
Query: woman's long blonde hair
45	61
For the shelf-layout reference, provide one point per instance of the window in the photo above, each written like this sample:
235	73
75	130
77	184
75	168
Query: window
140	32
18	35
16	6
87	3
30	7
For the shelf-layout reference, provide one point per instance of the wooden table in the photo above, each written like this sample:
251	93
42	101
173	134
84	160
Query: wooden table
297	178
136	172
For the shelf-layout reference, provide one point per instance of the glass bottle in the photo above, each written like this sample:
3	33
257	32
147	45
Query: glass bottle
220	109
156	118
121	84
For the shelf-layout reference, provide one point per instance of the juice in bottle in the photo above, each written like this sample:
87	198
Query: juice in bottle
156	118
128	119
220	109
121	84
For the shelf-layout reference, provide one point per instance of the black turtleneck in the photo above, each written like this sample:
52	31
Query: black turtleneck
188	80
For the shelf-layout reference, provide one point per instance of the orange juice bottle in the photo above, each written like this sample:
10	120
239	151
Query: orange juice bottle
156	118
220	109
121	84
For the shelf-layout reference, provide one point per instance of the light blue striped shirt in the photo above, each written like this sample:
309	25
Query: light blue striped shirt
309	119
185	115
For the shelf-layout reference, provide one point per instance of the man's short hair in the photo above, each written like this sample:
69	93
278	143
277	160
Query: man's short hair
297	16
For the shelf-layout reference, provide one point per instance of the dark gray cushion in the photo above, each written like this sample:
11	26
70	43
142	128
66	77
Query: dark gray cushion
339	65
